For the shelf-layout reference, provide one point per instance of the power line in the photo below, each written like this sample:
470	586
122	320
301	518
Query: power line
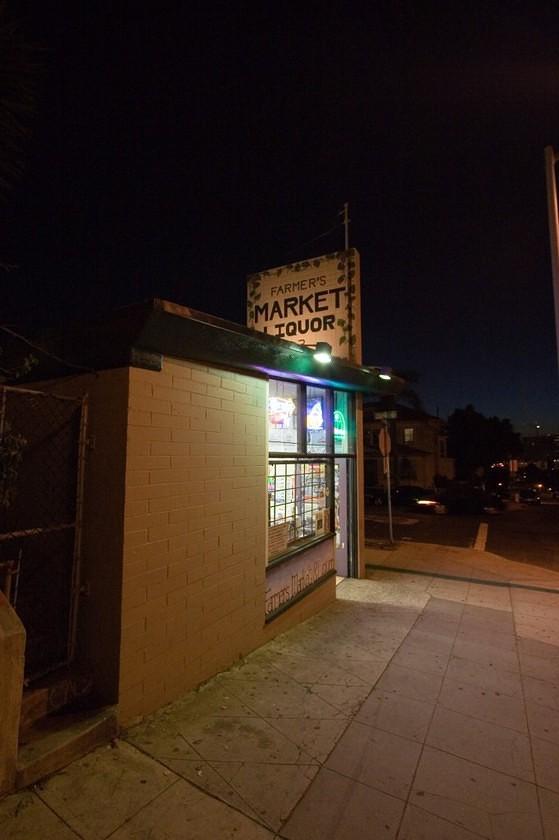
44	352
315	239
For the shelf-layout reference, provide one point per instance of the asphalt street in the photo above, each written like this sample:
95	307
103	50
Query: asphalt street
527	534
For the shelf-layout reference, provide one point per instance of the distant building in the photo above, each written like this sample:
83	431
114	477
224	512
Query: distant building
419	447
540	450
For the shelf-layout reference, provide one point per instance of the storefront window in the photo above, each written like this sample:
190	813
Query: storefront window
308	427
343	423
283	402
298	499
317	420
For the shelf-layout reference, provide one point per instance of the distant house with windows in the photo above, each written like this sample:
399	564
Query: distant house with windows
419	447
540	450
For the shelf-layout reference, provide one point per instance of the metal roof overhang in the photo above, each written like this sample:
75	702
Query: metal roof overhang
142	334
181	332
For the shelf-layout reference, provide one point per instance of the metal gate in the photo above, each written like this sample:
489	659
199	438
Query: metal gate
42	448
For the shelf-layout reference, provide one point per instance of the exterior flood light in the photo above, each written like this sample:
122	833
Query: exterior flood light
323	352
381	372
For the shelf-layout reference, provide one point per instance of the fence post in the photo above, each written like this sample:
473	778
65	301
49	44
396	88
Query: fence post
12	658
2	411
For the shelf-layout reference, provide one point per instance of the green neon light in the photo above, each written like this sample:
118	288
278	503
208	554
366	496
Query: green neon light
339	425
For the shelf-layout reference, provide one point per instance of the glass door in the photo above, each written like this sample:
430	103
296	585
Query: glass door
345	516
341	498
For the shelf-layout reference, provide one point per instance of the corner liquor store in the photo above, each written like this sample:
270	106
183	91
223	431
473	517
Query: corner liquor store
227	436
311	489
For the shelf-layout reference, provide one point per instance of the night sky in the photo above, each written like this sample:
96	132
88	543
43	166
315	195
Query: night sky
174	152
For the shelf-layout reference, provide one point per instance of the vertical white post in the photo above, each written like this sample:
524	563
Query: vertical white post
553	220
388	488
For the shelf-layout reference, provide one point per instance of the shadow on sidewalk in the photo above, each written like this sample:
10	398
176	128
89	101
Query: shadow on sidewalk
412	707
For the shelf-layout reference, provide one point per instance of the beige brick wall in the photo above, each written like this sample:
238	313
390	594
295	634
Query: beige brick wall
195	529
175	530
308	606
195	535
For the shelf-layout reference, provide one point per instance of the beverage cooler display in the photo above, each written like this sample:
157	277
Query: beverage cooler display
298	494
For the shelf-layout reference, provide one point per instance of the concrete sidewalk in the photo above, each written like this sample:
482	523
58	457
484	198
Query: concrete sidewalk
415	707
460	563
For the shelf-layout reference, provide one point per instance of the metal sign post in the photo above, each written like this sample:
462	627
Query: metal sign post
385	445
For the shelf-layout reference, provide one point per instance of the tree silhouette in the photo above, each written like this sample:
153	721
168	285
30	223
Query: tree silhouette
476	442
408	395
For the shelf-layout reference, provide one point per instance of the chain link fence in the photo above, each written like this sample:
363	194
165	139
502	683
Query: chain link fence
42	439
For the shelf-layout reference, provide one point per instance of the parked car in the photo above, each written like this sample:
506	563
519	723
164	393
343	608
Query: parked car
427	501
407	496
529	496
401	495
375	496
465	499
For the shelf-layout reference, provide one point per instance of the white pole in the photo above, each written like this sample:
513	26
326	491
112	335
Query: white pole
553	220
387	456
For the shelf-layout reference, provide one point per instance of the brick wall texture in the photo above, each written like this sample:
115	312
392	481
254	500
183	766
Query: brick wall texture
195	532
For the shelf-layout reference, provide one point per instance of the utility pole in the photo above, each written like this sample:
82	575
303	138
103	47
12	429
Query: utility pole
553	220
346	225
348	286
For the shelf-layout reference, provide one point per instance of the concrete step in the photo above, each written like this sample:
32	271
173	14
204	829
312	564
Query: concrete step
51	694
57	740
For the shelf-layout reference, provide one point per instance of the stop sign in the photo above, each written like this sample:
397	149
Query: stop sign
384	442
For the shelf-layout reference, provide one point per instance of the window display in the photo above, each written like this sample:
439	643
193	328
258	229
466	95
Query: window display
317	420
283	402
298	494
344	431
308	427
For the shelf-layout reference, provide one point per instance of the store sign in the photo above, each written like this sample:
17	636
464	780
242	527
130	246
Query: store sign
310	301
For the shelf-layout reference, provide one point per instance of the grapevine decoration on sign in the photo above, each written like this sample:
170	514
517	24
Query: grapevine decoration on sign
346	266
345	280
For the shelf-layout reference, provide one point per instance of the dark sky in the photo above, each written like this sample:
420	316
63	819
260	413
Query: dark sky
176	151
